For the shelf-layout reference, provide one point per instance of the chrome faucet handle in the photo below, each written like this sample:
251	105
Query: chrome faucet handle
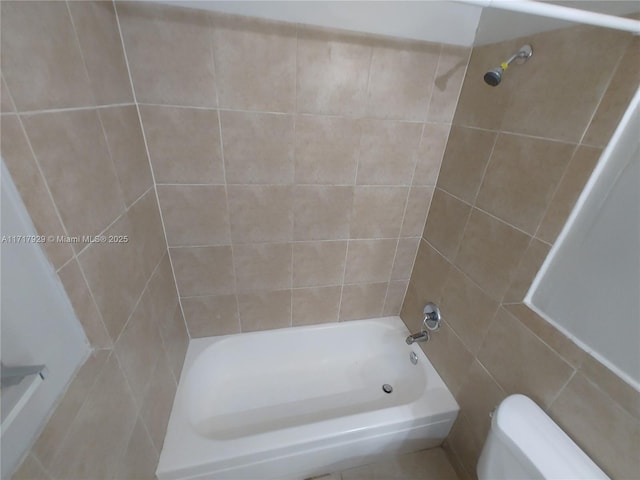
432	317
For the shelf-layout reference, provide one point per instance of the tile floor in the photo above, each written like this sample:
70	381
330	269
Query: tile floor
431	464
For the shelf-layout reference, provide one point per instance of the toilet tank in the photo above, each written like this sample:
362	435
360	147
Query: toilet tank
524	443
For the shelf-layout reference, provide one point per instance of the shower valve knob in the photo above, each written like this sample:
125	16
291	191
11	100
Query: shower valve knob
432	317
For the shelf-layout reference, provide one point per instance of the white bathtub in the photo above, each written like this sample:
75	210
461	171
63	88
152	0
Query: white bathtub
299	402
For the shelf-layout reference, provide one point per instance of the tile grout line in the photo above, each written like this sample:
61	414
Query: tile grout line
111	224
224	176
138	416
272	242
604	93
404	216
556	190
489	214
295	142
289	113
146	146
76	413
135	307
561	389
353	194
74	255
433	81
70	109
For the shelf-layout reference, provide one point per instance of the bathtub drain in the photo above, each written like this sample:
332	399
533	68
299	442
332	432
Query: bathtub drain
386	388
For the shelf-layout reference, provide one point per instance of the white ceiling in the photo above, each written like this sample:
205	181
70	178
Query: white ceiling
432	20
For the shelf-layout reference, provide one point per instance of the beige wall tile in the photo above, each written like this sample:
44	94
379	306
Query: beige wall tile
126	147
115	275
448	355
32	187
163	293
263	266
315	305
140	457
560	106
50	440
465	159
448	82
456	463
369	261
557	107
30	469
157	404
108	409
432	463
184	144
481	105
521	177
363	300
520	362
530	263
405	258
321	213
569	189
608	434
478	397
401	79
195	214
610	383
388	151
169	54
176	340
209	316
318	263
260	213
466	447
327	150
41	61
395	297
99	37
616	98
415	214
258	147
446	223
377	211
84	306
147	236
559	342
467	309
138	348
203	270
490	252
430	273
255	63
265	310
332	72
430	153
72	152
6	102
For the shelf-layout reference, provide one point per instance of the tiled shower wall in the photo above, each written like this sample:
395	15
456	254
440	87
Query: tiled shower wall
517	158
294	169
294	166
72	141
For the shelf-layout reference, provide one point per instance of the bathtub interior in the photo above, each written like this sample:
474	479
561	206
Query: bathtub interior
298	402
319	377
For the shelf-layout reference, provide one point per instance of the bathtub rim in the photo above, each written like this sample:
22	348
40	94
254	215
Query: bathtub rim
442	409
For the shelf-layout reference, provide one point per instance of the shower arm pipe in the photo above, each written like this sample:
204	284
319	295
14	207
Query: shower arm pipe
561	13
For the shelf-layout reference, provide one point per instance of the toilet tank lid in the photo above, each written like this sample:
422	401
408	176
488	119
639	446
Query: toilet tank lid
535	439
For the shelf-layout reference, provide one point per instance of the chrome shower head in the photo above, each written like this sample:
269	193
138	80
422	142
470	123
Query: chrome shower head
494	77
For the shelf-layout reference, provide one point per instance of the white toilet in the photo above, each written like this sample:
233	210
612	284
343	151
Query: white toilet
524	443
